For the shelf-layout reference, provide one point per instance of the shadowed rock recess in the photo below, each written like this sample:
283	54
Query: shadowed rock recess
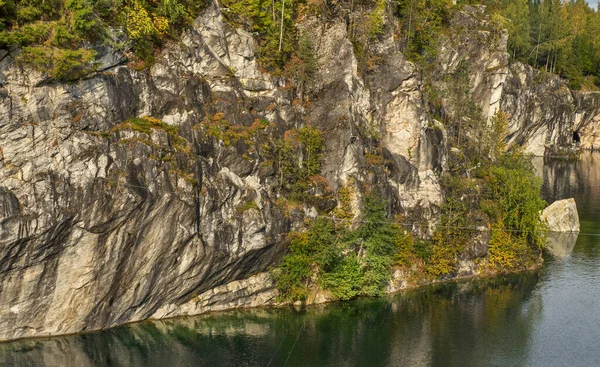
130	194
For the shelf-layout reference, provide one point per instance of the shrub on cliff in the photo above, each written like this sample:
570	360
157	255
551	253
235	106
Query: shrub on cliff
516	192
346	262
513	206
485	186
308	251
294	174
273	24
422	22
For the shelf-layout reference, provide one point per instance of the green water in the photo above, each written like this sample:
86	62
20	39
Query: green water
546	318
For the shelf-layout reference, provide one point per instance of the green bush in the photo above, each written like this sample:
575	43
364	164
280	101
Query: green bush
455	227
313	146
40	57
314	248
29	13
294	272
513	186
294	174
61	64
63	38
423	249
508	252
380	240
84	20
375	20
72	64
302	66
348	263
506	197
376	273
345	280
28	34
422	22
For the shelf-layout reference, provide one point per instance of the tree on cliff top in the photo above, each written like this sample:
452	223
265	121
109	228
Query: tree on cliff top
561	37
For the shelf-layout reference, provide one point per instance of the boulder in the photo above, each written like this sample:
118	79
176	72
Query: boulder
561	216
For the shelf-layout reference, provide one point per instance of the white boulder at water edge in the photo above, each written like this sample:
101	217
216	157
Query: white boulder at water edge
563	225
561	216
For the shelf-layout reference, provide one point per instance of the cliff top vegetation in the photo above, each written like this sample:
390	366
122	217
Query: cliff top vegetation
61	36
561	37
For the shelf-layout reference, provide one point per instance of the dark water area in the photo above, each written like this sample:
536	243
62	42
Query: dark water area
546	318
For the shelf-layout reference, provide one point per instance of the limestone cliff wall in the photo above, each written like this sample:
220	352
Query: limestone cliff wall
104	222
588	123
542	112
545	113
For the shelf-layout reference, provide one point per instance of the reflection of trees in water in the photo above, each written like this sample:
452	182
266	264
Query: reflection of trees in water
230	339
468	323
566	178
445	324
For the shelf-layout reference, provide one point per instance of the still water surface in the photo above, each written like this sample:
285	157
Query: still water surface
546	318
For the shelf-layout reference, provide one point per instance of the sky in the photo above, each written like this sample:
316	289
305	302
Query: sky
593	3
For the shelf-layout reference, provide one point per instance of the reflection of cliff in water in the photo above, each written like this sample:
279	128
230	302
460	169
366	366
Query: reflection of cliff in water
447	324
580	180
566	178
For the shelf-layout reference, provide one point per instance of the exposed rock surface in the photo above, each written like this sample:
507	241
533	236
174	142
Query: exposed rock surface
104	222
588	126
561	216
543	112
482	52
258	290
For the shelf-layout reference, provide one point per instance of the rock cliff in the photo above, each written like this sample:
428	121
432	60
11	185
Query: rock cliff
132	194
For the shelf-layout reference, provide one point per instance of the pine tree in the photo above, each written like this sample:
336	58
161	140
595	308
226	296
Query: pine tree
517	14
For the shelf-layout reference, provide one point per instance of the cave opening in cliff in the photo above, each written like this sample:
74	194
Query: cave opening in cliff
576	137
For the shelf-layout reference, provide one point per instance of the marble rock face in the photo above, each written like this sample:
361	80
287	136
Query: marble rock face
105	222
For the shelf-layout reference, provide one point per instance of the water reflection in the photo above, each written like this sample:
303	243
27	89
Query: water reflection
561	244
580	180
566	178
446	324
